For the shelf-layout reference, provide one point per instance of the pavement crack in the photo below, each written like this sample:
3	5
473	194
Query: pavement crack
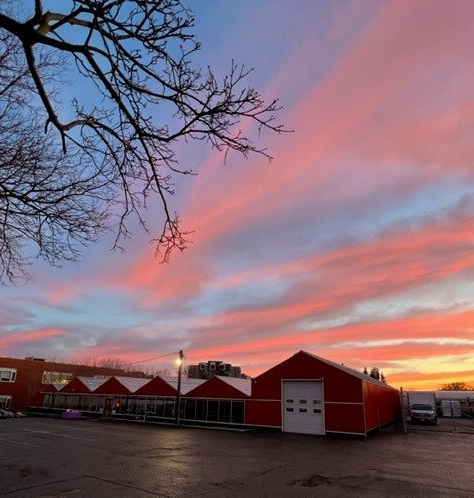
130	486
42	484
279	467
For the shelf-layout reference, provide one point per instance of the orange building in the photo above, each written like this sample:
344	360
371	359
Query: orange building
22	381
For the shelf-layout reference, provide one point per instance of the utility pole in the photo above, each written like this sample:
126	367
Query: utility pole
178	395
403	411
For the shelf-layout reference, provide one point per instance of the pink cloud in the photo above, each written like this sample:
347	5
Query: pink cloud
9	341
377	103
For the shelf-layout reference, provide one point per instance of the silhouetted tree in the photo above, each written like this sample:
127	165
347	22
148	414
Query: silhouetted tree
50	204
375	373
365	371
457	386
137	55
383	378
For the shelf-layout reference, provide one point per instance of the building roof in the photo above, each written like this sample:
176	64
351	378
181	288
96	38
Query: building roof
156	387
186	384
92	383
242	385
350	371
132	383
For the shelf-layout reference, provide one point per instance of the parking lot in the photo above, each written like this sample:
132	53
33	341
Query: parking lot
43	457
459	425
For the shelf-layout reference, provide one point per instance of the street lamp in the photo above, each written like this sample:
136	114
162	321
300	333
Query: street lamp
179	363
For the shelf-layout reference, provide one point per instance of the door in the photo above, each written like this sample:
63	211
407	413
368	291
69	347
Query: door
303	406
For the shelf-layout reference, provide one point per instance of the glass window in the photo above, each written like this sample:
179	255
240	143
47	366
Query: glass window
56	377
60	401
201	409
225	408
160	408
150	406
87	403
7	374
72	401
237	412
303	401
316	410
5	402
212	410
93	403
303	410
190	409
289	410
289	401
169	407
316	401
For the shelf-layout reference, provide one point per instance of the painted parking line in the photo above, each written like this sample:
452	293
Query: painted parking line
82	429
117	433
19	442
49	433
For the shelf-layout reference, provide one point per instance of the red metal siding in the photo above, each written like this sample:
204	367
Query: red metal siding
216	388
156	387
75	386
112	386
338	385
263	412
340	417
382	405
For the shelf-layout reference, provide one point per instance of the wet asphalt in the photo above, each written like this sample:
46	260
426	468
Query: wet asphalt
46	458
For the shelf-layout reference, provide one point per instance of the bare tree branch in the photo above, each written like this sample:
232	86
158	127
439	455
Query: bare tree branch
137	53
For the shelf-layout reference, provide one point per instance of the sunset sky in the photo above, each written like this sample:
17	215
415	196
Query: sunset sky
356	243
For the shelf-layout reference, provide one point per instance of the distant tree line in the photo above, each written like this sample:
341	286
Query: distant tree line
457	386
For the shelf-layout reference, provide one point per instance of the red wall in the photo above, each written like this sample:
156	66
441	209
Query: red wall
338	385
216	388
263	412
156	387
344	417
75	386
382	405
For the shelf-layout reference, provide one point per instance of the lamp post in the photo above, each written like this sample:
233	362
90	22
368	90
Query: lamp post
179	361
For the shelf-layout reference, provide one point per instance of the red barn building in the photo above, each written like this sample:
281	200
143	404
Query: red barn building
309	394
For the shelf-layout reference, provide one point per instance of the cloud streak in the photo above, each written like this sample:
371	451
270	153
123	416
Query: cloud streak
331	248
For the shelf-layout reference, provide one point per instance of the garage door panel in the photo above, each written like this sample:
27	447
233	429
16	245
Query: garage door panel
303	407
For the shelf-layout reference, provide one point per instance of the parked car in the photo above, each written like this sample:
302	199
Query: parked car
420	412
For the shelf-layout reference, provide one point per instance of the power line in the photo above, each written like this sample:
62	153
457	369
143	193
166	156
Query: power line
155	358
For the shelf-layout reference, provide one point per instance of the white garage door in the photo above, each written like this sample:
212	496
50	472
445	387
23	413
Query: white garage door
303	406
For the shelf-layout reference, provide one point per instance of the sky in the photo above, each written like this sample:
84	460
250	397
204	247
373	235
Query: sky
355	243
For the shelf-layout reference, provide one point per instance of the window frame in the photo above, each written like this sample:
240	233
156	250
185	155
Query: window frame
8	398
13	374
